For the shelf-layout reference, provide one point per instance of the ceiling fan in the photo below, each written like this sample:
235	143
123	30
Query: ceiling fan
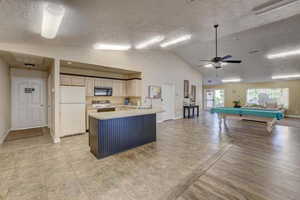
218	62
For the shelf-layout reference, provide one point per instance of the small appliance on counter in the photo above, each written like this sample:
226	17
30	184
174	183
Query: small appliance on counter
126	102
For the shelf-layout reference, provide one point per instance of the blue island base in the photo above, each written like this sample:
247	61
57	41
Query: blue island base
111	136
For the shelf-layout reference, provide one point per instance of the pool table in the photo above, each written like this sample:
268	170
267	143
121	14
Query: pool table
270	117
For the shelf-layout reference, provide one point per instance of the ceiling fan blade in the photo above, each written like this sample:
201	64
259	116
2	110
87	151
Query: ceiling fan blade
227	57
232	61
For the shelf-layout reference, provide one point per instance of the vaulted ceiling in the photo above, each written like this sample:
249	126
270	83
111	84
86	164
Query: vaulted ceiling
131	21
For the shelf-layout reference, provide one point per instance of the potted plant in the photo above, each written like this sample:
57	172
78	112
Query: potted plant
237	104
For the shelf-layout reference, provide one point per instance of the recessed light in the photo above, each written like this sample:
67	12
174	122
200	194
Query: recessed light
52	18
286	76
231	80
150	42
284	54
176	41
69	62
113	47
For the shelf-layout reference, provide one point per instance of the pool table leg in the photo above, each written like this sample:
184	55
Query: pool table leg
271	124
220	120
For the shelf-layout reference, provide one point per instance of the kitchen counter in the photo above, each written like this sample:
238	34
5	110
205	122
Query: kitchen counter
125	113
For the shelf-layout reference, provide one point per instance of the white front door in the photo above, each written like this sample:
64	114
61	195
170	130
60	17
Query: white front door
28	103
168	100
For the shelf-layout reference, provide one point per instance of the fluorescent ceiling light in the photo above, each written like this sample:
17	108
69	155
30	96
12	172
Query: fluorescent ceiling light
52	18
112	47
231	80
175	41
271	5
150	42
284	54
286	76
212	65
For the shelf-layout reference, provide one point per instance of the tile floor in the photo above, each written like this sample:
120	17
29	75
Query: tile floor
186	152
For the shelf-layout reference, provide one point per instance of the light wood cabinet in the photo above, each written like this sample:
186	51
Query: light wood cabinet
89	85
130	88
134	88
100	82
78	81
119	88
65	80
72	80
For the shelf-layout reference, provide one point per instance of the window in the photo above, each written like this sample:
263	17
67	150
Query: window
213	98
219	98
264	96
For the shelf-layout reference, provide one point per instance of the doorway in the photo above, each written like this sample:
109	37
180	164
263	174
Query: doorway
168	102
214	98
29	102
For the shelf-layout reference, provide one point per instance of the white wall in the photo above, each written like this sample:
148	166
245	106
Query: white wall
5	99
158	67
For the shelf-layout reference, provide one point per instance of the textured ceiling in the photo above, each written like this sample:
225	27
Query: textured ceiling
131	21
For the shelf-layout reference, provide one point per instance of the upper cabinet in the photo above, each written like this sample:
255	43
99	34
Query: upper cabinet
65	80
134	88
100	82
89	85
119	88
72	80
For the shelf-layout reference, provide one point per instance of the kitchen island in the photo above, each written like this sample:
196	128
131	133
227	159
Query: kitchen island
117	131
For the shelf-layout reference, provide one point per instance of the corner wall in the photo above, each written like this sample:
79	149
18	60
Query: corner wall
5	101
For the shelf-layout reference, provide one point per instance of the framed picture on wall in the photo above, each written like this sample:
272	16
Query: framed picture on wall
154	92
186	86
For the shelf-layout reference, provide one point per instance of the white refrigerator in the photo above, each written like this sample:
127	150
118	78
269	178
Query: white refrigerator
72	110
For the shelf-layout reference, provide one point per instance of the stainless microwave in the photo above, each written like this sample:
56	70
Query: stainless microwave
102	91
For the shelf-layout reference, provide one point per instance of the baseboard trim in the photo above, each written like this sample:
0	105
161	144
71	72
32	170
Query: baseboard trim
293	116
4	136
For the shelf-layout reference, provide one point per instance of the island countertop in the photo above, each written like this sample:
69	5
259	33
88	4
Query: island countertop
125	113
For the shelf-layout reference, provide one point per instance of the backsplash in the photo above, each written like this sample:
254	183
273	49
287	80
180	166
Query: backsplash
113	100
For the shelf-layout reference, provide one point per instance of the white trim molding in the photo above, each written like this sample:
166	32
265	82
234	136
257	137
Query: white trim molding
2	138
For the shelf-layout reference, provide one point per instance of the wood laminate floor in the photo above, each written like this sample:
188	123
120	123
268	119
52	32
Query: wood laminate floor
192	159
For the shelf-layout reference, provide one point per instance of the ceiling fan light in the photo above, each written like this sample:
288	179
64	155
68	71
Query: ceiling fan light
209	65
